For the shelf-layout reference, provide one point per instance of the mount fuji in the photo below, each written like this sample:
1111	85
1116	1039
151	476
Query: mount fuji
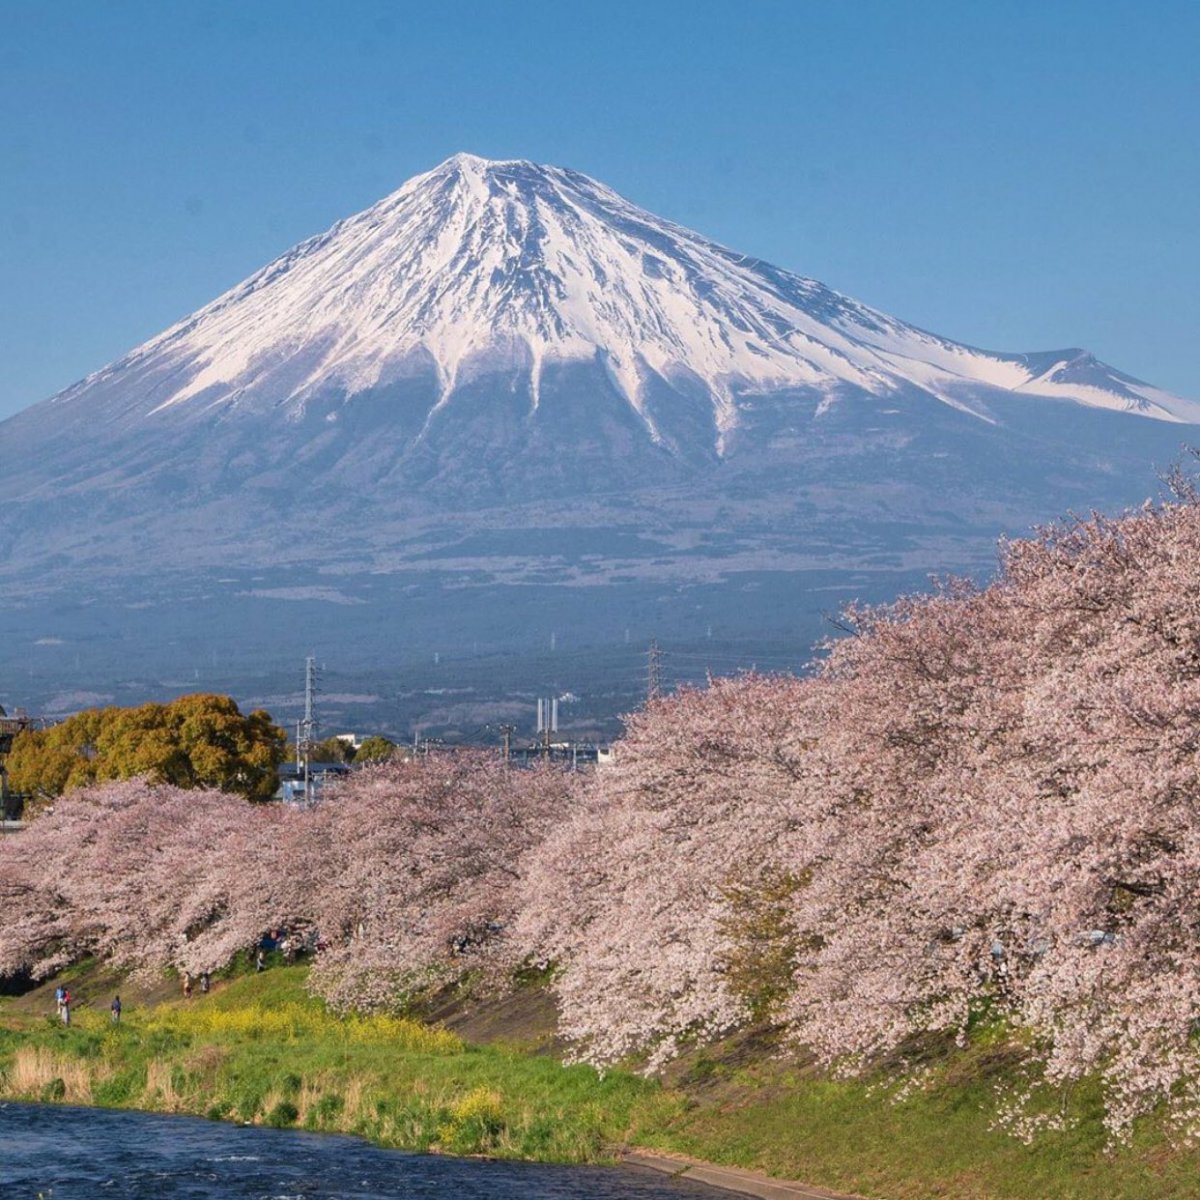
504	400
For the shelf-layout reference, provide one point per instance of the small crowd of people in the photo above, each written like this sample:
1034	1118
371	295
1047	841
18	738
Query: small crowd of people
63	1001
63	998
205	984
290	945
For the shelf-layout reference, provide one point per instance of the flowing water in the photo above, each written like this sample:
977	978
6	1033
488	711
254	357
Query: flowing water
60	1153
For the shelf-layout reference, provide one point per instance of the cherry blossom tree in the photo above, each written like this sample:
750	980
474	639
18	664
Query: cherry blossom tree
1023	825
985	801
415	878
145	876
635	897
406	873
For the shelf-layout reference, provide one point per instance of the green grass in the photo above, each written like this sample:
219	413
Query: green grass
938	1140
261	1049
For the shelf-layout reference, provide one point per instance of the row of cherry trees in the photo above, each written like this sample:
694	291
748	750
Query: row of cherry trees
982	805
410	875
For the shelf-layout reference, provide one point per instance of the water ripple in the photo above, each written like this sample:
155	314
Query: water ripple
67	1153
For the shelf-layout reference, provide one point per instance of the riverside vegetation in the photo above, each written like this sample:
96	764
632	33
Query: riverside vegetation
958	863
262	1049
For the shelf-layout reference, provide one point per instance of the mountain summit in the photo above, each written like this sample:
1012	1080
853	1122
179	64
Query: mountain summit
505	380
480	267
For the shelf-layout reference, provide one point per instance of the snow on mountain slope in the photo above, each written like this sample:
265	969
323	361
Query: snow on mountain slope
478	266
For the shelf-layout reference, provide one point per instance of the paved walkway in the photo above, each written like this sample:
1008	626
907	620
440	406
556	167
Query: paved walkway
733	1179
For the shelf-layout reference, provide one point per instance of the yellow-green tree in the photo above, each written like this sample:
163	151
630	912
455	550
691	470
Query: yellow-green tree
375	748
195	741
332	750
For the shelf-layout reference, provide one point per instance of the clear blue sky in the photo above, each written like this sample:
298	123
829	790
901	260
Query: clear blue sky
1018	175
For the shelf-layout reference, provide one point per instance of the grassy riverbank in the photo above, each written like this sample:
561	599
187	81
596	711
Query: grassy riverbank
260	1049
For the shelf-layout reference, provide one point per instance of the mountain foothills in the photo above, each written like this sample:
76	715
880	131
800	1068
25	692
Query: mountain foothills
449	418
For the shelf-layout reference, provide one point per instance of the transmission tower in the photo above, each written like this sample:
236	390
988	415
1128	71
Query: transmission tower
653	672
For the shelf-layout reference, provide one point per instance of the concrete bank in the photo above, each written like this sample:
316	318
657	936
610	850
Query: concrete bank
732	1179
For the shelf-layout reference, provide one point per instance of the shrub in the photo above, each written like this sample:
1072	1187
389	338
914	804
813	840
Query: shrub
283	1114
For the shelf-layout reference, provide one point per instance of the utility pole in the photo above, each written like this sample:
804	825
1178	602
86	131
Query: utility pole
308	726
653	672
506	732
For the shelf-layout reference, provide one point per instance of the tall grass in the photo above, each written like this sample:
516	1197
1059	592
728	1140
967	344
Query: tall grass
36	1073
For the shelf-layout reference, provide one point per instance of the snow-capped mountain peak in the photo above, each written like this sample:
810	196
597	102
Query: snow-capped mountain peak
480	265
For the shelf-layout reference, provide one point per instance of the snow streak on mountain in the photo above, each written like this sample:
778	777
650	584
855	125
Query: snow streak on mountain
478	265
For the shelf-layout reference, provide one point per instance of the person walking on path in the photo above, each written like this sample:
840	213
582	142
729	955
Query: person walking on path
59	993
187	985
66	1007
115	1009
205	983
260	960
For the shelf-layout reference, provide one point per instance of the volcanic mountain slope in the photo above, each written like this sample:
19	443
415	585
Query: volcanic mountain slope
520	301
506	373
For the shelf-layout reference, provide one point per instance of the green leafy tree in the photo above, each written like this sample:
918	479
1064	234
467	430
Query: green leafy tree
195	741
332	750
375	749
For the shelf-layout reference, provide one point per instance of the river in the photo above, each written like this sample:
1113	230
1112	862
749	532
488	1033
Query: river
61	1153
